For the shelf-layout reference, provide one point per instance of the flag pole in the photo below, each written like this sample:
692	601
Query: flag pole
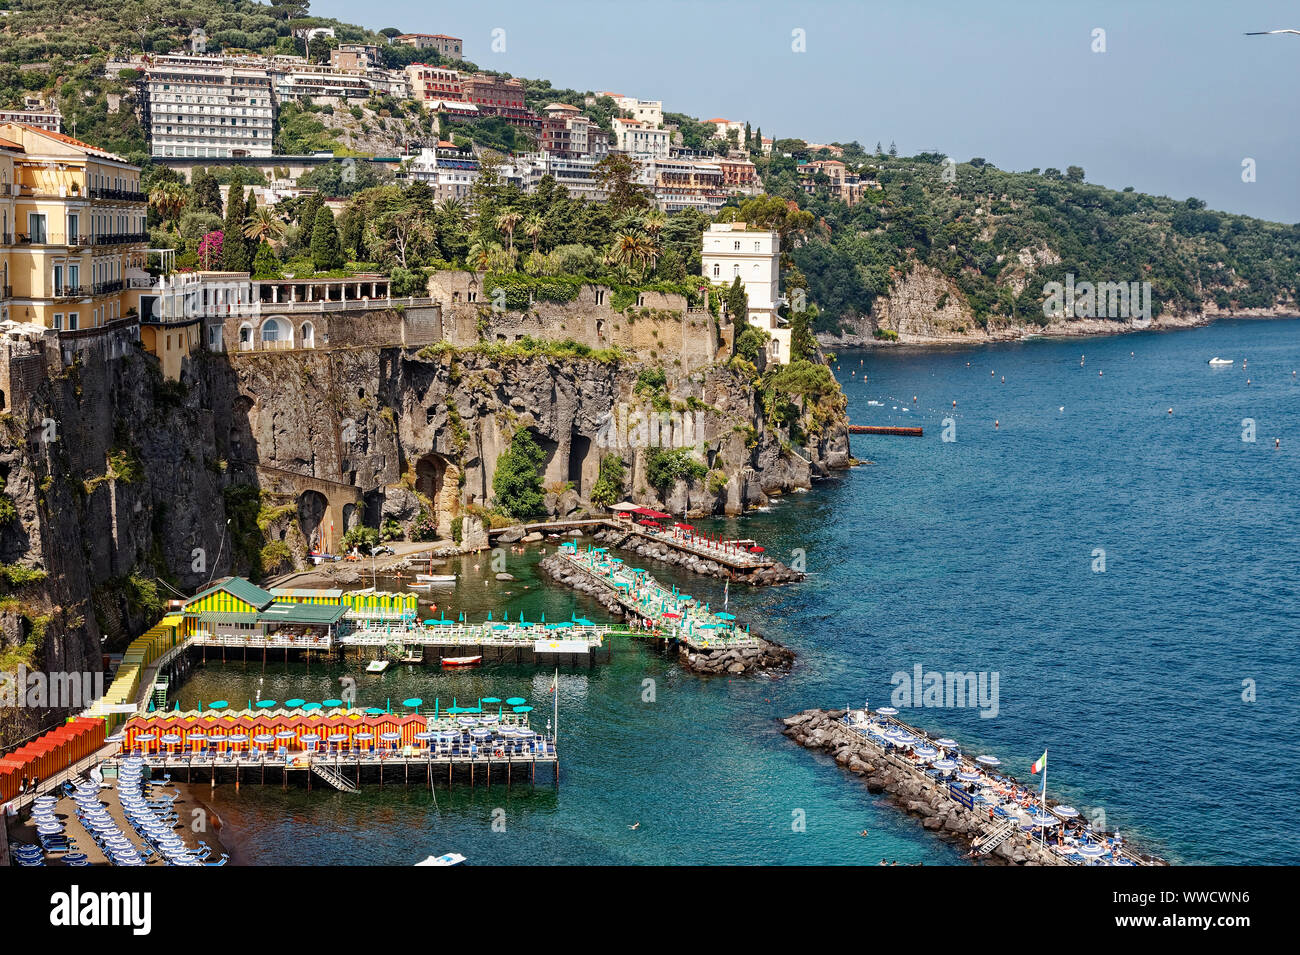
555	691
1043	807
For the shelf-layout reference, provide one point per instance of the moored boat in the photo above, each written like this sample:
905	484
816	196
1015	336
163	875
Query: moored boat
1216	360
462	661
377	666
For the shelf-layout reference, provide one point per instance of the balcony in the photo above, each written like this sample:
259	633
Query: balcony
71	292
122	238
107	288
118	195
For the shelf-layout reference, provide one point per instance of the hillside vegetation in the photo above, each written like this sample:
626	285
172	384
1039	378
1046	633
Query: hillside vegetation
991	238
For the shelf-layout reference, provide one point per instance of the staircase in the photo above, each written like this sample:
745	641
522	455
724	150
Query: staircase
338	781
158	699
997	837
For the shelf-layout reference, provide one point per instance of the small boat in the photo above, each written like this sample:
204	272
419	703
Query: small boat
377	666
1216	360
462	661
447	858
435	578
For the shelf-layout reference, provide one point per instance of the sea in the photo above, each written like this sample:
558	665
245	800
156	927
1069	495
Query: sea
1103	529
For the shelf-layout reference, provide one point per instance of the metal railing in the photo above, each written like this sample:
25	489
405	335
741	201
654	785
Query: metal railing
125	195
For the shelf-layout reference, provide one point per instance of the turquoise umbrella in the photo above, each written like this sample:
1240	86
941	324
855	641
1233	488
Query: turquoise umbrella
516	701
265	704
218	705
294	703
490	699
413	701
374	711
331	703
311	706
523	709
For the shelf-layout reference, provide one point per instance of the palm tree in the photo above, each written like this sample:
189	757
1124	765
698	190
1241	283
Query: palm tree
506	222
168	199
478	254
533	228
625	249
654	222
264	225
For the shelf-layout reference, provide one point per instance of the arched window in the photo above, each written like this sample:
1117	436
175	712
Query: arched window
245	337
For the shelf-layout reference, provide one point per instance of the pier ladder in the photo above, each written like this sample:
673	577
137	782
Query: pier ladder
997	837
338	781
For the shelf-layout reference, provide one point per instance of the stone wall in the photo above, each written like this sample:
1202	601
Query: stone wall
659	326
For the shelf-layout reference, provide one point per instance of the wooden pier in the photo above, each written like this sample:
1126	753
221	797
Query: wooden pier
348	772
885	429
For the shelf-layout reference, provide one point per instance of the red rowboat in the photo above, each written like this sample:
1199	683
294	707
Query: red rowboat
461	661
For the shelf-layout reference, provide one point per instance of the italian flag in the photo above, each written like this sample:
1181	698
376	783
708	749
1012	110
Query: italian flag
1039	766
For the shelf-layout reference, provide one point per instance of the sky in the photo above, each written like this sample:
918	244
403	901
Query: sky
1173	104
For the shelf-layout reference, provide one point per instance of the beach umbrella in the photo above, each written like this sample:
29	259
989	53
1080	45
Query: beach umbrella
516	701
294	703
374	711
337	737
261	739
218	705
491	699
332	703
926	752
944	765
1091	850
988	760
887	711
412	702
945	742
265	704
523	709
1066	812
1046	820
969	777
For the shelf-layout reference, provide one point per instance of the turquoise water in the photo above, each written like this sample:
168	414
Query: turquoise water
973	555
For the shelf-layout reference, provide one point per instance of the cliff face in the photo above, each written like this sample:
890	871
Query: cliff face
118	478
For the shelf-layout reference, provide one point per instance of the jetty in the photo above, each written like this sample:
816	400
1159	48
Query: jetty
885	429
957	797
707	641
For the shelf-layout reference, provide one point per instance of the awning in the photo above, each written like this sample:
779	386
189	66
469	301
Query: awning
646	512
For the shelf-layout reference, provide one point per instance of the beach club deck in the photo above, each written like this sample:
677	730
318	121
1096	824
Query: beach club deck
342	748
662	612
657	527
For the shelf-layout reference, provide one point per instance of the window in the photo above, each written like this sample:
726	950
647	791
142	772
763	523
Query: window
73	321
737	245
58	320
717	270
74	229
36	227
58	280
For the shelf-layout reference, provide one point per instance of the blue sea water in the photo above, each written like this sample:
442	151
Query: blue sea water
1163	687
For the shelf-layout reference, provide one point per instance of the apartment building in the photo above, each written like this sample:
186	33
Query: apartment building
448	171
724	126
73	231
49	119
732	250
440	43
434	83
355	57
206	107
646	110
640	139
495	96
845	185
569	134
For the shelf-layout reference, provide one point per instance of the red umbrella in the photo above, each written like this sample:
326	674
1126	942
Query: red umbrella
756	549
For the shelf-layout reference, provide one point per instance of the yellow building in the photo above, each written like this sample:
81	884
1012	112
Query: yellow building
74	233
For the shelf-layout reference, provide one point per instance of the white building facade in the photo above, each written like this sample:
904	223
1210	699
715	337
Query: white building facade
205	108
734	250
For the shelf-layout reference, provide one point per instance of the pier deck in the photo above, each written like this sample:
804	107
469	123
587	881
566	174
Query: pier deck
644	598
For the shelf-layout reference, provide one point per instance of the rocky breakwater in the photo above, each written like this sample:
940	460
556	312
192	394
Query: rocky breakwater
908	788
774	573
762	655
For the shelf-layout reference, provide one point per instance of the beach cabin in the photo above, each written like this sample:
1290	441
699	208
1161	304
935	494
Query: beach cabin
236	612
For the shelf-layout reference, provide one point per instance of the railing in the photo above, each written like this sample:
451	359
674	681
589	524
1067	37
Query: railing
72	291
120	238
107	288
126	195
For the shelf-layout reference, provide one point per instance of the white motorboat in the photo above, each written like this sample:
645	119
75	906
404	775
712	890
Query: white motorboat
1216	360
435	578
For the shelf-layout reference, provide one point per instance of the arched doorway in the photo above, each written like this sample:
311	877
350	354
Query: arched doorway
246	337
312	508
277	333
439	481
307	335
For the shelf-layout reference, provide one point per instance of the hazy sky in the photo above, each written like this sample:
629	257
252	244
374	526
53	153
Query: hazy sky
1173	106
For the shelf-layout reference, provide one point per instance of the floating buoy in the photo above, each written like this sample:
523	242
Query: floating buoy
1004	379
1277	442
913	399
954	402
1171	410
1100	373
1062	408
995	425
992	373
1247	381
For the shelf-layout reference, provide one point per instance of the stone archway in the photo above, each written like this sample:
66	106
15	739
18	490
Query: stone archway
439	481
313	508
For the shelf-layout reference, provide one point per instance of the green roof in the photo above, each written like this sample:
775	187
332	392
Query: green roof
303	613
330	592
245	590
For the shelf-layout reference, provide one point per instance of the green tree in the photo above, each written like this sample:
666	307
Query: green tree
326	250
617	176
609	483
517	481
737	300
234	249
265	264
207	192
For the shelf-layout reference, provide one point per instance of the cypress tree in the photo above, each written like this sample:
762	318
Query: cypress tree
207	192
326	250
234	247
